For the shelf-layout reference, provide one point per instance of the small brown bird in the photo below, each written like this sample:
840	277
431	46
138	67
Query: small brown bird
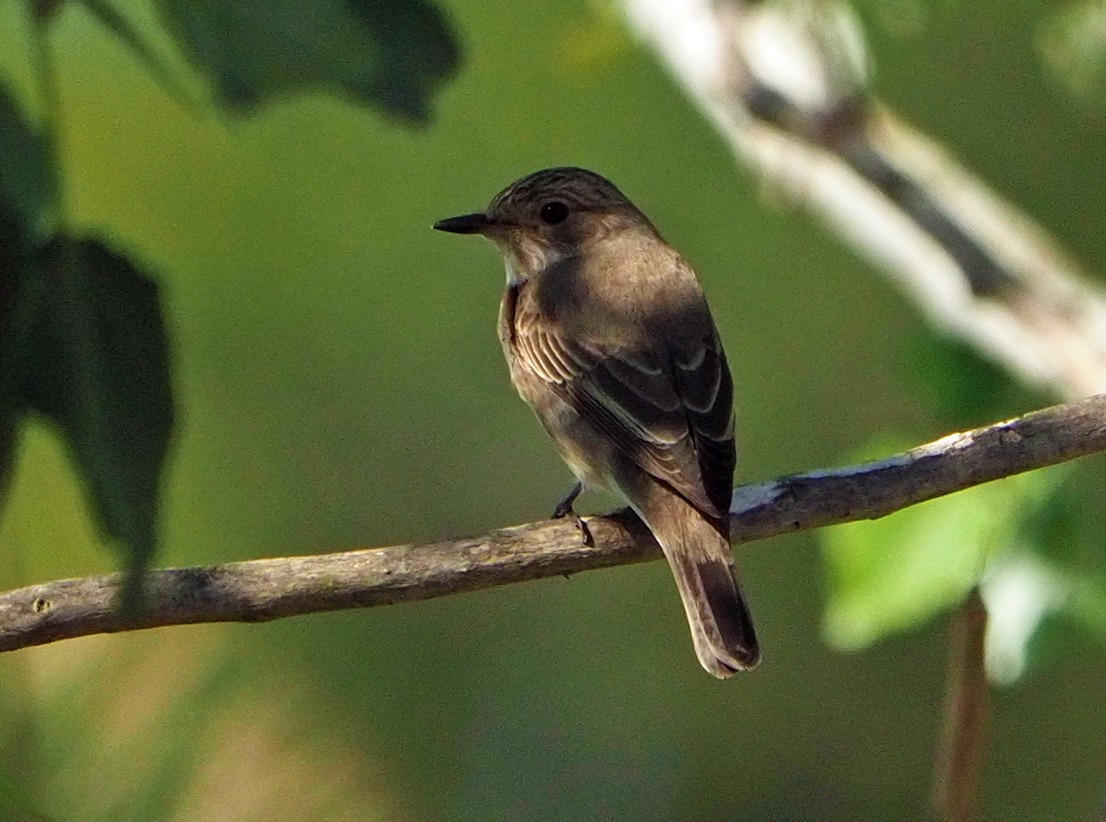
609	339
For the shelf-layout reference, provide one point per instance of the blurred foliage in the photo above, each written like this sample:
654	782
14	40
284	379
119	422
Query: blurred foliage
1073	46
95	362
899	572
1016	538
82	340
338	383
959	387
392	55
28	175
127	34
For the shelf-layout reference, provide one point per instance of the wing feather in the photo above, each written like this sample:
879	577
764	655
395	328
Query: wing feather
668	409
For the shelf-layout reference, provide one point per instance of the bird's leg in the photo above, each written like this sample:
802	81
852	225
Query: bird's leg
564	509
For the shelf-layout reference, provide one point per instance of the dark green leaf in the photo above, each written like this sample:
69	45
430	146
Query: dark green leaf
12	253
45	10
28	179
99	368
1066	529
390	54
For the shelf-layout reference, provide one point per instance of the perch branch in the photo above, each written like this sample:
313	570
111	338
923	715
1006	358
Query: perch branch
266	589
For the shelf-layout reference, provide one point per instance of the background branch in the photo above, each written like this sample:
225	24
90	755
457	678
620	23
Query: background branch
963	747
785	83
268	589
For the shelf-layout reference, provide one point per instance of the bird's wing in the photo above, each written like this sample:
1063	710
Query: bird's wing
667	404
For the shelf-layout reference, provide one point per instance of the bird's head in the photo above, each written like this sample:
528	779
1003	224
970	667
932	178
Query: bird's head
549	215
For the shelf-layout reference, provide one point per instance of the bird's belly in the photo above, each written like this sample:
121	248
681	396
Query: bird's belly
588	453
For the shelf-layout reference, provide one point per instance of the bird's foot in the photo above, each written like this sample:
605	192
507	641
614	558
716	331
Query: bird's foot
565	510
564	507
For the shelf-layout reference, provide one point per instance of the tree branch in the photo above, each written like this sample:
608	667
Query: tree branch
786	85
266	589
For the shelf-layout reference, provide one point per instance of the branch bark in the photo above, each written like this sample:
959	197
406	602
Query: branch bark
267	589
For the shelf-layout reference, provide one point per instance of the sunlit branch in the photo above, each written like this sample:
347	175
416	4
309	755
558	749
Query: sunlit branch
267	589
786	85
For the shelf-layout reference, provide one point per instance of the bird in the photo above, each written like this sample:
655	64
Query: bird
609	339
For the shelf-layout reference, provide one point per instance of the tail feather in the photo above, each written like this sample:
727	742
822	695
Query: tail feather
698	551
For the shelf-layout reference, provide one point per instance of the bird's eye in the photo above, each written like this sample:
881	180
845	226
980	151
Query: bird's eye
554	212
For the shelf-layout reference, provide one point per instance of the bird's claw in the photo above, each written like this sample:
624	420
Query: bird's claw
581	526
565	510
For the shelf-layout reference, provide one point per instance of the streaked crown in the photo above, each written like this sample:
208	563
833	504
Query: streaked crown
578	188
545	198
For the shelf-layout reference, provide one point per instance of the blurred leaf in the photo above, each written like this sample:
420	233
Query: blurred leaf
187	725
1032	542
895	573
390	54
12	251
1066	528
45	10
16	802
1021	593
1073	47
99	368
127	34
1057	640
28	179
1062	582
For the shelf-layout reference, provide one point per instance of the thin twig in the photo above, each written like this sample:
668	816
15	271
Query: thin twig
267	589
963	747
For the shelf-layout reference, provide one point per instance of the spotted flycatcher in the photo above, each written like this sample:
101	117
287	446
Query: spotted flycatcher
609	339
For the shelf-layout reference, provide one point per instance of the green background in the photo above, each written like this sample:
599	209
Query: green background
339	385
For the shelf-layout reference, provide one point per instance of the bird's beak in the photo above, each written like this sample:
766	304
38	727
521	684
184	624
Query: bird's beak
465	224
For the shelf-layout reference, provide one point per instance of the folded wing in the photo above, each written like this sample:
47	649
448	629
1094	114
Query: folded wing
665	402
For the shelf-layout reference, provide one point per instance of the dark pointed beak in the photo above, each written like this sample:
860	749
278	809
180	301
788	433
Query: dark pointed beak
465	224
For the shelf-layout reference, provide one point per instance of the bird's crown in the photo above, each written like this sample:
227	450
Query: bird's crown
577	188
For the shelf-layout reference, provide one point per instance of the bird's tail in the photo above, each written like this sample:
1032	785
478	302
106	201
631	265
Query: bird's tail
698	551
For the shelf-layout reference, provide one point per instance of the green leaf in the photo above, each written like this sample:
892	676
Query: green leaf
28	179
1022	593
895	573
99	368
125	31
1072	45
1068	583
390	54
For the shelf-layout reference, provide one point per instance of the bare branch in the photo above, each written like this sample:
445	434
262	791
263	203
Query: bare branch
267	589
785	83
